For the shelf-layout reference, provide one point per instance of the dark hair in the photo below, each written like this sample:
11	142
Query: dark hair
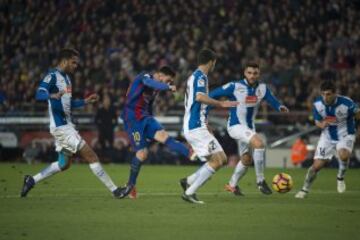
328	85
206	55
166	70
67	53
252	65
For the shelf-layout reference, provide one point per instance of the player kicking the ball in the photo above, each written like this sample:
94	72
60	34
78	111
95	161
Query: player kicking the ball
56	89
140	124
196	133
249	93
335	115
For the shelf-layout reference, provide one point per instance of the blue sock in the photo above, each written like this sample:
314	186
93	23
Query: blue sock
177	147
134	170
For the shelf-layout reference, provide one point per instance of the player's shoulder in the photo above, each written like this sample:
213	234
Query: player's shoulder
318	99
51	76
345	100
198	74
229	85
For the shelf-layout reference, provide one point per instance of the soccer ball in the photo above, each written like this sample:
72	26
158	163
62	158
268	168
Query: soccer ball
282	183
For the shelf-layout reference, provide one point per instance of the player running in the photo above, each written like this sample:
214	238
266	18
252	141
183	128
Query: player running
335	115
140	124
249	92
56	89
195	129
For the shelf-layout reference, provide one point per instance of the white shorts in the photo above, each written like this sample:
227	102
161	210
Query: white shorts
327	148
67	138
203	143
243	134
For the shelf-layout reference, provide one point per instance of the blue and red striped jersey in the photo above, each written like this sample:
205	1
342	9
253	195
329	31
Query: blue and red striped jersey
140	97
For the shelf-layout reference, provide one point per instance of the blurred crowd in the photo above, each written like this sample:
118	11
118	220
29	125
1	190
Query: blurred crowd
297	43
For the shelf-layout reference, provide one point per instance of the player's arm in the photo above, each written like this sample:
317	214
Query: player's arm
43	91
319	121
93	98
223	91
274	102
152	83
203	98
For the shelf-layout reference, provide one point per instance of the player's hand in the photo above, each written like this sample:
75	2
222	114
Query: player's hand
323	124
93	98
57	95
283	109
172	88
228	104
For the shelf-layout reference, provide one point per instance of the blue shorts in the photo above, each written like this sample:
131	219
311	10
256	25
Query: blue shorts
142	132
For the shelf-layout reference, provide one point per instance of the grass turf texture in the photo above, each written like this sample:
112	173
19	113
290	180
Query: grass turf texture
75	205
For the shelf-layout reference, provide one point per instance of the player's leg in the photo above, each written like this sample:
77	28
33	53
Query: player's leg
88	154
310	177
344	148
324	152
63	162
239	171
154	130
216	161
206	147
259	163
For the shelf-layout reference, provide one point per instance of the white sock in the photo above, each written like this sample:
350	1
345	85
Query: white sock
259	155
98	170
204	174
309	179
47	172
191	179
342	168
239	172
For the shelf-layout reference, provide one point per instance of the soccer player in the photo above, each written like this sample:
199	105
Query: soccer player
249	92
140	124
56	89
335	115
195	129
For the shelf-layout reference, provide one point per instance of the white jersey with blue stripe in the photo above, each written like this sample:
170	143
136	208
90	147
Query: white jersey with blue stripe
340	115
249	98
59	109
195	112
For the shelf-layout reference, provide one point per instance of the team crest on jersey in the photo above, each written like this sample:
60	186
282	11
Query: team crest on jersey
47	79
201	82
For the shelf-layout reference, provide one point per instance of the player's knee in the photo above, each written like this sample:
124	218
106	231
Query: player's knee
246	159
257	142
344	155
142	155
161	136
316	166
218	160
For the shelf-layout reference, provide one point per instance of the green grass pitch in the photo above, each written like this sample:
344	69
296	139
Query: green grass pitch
75	205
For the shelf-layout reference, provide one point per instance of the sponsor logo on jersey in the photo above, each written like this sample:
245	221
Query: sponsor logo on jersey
330	119
251	99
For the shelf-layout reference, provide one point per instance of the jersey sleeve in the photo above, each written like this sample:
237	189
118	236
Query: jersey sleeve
353	109
272	100
152	83
43	91
316	114
77	103
200	85
226	90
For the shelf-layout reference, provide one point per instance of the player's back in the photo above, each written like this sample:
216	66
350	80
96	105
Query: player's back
195	112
